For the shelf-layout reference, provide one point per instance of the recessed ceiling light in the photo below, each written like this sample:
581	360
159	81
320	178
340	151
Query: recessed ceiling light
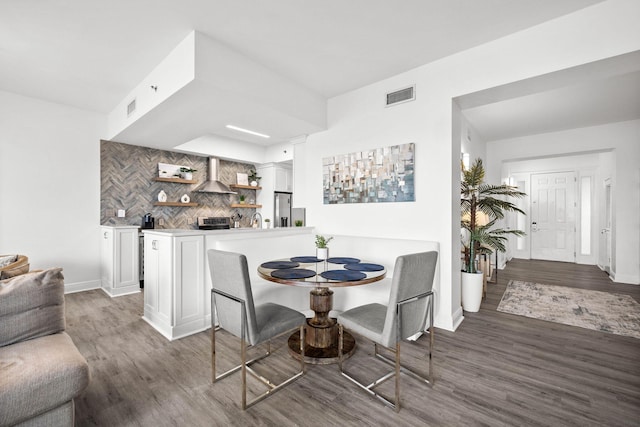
262	135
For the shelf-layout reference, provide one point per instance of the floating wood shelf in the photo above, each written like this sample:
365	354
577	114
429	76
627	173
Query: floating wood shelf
176	180
179	204
244	205
245	187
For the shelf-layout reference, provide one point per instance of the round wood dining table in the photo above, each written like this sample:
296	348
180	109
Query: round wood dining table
321	331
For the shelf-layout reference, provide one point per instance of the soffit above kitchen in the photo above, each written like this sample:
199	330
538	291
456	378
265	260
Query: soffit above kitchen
201	87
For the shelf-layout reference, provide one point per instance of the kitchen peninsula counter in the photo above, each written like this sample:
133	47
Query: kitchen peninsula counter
176	272
230	233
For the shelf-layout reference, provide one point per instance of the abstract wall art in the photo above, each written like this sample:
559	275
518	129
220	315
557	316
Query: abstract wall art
372	176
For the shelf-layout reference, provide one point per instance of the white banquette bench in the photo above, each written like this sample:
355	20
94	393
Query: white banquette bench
373	249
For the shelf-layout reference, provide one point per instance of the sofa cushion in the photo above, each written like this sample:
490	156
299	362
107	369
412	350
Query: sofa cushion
31	306
63	415
39	375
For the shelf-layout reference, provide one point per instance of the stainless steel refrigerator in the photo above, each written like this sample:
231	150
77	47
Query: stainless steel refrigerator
282	209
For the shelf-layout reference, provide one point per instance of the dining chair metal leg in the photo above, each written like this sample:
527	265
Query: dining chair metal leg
213	351
272	387
431	339
428	379
397	375
302	338
340	345
243	362
398	367
245	368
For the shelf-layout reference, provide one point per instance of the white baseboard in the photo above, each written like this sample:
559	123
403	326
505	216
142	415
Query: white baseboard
70	288
625	278
121	292
449	323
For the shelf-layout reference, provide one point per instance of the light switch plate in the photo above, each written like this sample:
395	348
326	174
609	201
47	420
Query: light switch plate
121	213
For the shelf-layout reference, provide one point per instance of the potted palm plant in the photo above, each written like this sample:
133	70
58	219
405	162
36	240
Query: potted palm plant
481	206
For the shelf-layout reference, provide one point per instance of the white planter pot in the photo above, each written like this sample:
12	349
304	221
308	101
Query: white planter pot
187	175
471	291
322	253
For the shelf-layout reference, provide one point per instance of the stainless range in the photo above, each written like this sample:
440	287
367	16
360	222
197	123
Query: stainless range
213	223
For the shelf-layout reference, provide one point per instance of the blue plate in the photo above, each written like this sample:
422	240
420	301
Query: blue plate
305	259
279	264
293	273
343	260
363	266
343	275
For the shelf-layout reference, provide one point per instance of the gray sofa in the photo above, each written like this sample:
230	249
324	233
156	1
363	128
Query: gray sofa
41	370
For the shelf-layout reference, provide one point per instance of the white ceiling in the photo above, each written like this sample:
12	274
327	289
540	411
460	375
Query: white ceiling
582	104
91	54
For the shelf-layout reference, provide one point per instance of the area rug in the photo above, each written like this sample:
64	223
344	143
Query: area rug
601	311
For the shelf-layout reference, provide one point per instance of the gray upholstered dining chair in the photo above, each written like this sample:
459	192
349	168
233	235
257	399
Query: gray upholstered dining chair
233	301
409	312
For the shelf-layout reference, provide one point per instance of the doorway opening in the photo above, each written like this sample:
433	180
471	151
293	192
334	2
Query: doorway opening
566	207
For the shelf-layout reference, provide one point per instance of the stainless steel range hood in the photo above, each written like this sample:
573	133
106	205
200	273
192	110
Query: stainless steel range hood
212	185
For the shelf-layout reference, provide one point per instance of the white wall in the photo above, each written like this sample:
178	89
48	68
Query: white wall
623	139
358	121
50	186
470	141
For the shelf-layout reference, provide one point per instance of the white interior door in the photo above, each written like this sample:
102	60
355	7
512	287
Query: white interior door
553	216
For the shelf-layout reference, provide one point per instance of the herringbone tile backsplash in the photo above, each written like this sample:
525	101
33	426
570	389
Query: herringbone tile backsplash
127	172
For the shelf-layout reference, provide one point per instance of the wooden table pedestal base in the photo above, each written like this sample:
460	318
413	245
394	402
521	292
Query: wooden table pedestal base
319	355
321	332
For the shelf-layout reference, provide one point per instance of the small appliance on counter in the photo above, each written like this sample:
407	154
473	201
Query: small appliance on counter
213	223
148	222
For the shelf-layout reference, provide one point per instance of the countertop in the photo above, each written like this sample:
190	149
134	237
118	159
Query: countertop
176	232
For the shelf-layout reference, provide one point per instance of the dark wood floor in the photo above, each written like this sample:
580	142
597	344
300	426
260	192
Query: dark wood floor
496	369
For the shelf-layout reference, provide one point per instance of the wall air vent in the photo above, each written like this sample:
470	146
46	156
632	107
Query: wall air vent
400	96
131	107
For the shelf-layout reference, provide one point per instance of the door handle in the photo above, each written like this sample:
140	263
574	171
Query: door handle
154	245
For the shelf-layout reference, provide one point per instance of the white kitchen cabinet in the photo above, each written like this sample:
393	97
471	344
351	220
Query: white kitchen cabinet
174	300
157	276
177	284
283	178
120	260
275	177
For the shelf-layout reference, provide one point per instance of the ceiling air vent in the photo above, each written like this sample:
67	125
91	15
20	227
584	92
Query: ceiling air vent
131	107
402	95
